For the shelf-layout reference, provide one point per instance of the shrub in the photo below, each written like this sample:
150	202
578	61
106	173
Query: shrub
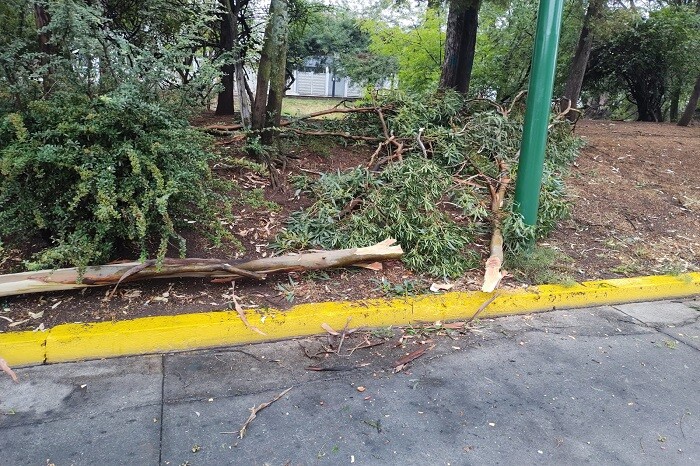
435	200
93	175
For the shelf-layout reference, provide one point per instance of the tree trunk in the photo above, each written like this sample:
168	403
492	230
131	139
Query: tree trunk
270	84
42	19
228	23
572	89
460	45
675	99
219	269
692	105
278	75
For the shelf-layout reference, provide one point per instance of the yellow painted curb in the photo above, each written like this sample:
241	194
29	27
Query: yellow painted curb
70	342
21	348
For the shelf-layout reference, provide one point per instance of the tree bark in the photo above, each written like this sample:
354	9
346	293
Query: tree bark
574	81
675	101
219	269
268	92
278	75
228	23
460	45
692	104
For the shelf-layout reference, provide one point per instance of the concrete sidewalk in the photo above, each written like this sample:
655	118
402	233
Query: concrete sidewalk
601	385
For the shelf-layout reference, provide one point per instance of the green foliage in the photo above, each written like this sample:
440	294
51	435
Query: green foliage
401	202
418	50
98	47
431	205
97	174
642	57
334	37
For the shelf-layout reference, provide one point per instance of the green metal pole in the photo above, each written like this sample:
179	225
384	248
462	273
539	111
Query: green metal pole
539	97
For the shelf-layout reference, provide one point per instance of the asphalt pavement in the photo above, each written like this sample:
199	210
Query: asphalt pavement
606	385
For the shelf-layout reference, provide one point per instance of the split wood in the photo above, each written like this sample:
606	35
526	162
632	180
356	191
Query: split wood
493	273
220	270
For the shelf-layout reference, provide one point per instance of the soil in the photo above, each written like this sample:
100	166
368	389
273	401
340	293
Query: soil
635	191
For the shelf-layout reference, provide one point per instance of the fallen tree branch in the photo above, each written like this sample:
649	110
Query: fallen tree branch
217	269
493	274
330	111
330	133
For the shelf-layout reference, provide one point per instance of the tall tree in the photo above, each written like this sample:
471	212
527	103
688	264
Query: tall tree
460	44
692	105
574	81
228	31
267	108
233	34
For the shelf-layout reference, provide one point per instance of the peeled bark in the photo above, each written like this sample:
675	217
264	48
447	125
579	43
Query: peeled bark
692	104
460	45
572	89
218	269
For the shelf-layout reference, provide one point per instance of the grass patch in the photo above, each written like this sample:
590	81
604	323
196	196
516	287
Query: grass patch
299	106
541	265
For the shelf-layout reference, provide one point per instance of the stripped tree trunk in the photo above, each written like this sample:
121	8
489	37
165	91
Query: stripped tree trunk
218	269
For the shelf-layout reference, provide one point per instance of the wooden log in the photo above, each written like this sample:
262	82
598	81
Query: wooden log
218	269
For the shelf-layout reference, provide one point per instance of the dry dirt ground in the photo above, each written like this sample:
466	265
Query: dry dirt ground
636	211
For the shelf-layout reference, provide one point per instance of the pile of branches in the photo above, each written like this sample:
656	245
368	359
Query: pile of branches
439	178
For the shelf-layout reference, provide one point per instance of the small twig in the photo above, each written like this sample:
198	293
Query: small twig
306	170
482	307
420	143
343	333
255	410
241	312
362	345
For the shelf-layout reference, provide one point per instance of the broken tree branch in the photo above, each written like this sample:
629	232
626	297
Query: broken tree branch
218	269
330	111
493	274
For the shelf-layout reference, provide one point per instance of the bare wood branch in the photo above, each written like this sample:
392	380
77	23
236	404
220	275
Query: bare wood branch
217	269
329	111
331	133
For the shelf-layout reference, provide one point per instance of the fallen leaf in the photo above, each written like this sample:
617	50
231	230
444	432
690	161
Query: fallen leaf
329	329
401	362
39	315
454	325
19	322
8	370
376	266
435	287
